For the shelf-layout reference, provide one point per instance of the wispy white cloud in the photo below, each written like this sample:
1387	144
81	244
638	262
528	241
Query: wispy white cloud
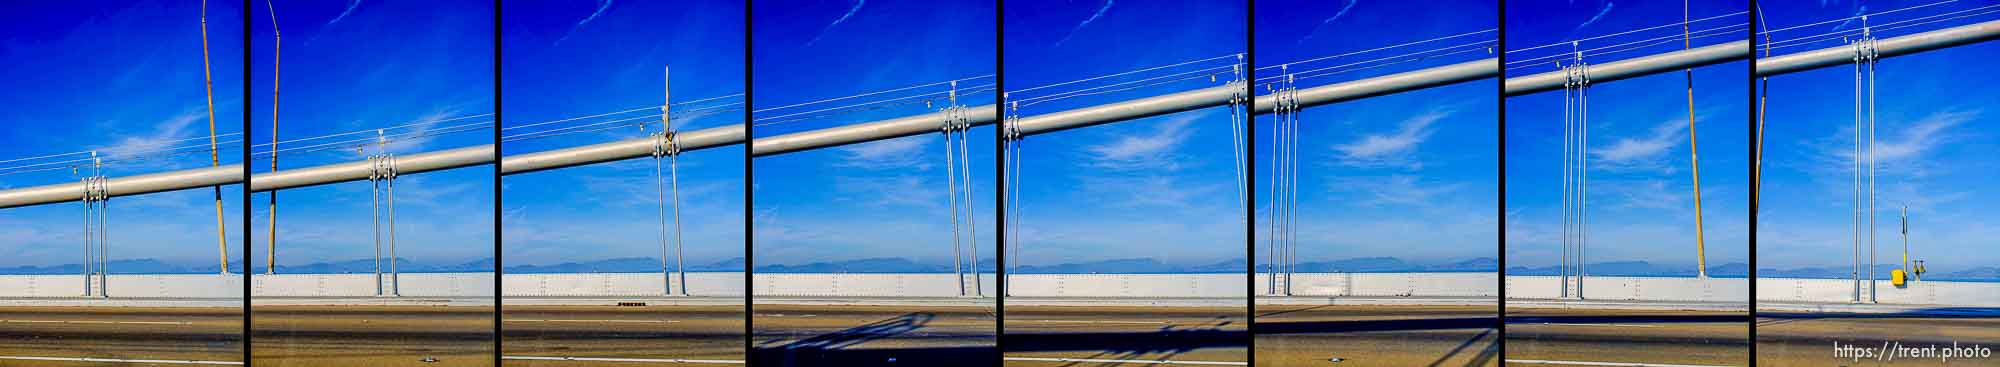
351	4
601	7
843	18
1644	152
1151	191
899	153
1329	20
1155	151
1858	11
1393	149
1086	21
1594	18
1393	190
1903	153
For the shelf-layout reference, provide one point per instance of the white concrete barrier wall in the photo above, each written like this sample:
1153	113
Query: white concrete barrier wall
125	286
868	285
1127	285
1919	293
1725	290
721	284
472	285
1922	293
1385	284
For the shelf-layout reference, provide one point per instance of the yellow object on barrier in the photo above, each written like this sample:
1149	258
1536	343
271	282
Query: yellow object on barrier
1896	277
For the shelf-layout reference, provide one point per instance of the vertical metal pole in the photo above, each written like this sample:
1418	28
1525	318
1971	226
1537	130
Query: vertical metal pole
1583	198
1854	214
89	237
971	223
375	214
1871	168
1271	241
1694	158
214	158
1906	239
951	184
271	235
395	275
1567	186
103	243
659	182
680	261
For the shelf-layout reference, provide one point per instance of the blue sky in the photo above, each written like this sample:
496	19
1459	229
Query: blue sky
1158	187
341	72
877	199
1929	147
1641	207
566	59
1408	175
118	76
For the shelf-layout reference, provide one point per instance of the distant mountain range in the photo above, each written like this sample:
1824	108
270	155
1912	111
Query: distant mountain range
1639	269
902	265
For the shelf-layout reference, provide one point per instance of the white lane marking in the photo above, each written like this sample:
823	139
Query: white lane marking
1610	325
116	360
635	360
598	321
1126	361
1607	364
1100	322
97	322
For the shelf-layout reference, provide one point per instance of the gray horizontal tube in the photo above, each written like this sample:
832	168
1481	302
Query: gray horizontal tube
866	132
359	170
617	150
123	186
1128	110
1887	47
1388	84
1633	68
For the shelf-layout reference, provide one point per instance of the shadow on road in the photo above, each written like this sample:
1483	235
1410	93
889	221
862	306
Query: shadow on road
839	348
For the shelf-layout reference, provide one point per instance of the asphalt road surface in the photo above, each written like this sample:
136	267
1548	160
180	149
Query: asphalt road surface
1069	335
1808	339
1581	337
1355	335
63	336
635	333
314	336
852	335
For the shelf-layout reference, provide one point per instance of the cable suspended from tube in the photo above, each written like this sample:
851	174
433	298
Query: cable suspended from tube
383	175
957	157
666	143
95	229
1012	134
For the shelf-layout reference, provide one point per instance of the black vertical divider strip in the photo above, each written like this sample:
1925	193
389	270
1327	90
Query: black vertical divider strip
1500	135
1250	177
498	263
749	223
1755	182
1000	140
247	237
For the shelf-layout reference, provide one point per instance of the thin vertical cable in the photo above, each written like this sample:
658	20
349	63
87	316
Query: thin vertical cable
1870	39
680	259
1567	189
